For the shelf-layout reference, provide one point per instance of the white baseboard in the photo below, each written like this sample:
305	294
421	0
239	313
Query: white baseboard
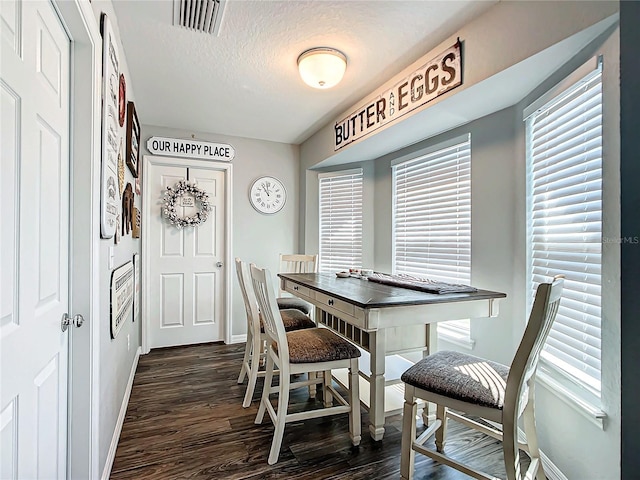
111	456
550	470
238	338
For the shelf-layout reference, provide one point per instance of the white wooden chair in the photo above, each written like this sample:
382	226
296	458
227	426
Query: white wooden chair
302	351
296	263
254	349
484	389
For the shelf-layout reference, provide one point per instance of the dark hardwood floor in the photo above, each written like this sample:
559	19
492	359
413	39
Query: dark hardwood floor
185	420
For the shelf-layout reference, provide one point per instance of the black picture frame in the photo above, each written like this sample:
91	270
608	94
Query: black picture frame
133	139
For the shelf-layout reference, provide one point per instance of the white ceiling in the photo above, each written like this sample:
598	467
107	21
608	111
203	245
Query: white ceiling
245	81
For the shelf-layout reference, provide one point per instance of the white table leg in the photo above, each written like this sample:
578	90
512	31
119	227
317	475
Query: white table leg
377	348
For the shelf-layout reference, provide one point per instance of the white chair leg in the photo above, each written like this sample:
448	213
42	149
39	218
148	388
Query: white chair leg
327	397
253	374
281	418
529	420
245	360
510	449
441	433
355	427
268	378
408	455
312	388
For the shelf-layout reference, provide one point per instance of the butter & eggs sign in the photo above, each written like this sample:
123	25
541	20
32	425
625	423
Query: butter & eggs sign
432	79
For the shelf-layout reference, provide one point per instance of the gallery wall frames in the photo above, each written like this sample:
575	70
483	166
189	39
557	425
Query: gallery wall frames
122	290
109	195
133	139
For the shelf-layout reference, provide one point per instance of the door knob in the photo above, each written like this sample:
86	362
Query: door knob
219	264
76	321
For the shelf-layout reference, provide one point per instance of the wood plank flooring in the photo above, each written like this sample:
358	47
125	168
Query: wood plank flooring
185	420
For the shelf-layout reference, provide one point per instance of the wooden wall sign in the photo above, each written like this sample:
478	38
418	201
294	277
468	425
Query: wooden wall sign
176	147
135	218
109	195
121	296
430	80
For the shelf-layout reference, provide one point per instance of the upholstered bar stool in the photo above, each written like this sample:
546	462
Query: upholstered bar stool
296	263
484	389
302	351
254	350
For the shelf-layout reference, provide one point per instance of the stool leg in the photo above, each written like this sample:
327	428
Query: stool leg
326	393
529	419
253	373
441	414
245	360
510	448
268	378
281	416
408	455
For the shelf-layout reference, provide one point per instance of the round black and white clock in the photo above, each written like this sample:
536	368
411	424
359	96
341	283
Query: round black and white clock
267	195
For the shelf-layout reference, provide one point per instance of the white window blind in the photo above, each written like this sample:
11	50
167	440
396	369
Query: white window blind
564	153
340	221
432	220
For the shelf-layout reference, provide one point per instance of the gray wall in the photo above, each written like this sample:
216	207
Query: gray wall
576	445
256	237
116	356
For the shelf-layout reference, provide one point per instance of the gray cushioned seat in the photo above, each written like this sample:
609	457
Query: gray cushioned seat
292	320
319	345
460	376
293	302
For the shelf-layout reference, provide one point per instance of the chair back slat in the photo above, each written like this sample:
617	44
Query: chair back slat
524	365
269	312
298	263
249	298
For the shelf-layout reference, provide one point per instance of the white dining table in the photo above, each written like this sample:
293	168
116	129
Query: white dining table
385	321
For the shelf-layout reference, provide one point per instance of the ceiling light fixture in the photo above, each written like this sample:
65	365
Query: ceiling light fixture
322	67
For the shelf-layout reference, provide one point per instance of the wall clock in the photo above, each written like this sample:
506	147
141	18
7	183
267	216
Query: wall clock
267	195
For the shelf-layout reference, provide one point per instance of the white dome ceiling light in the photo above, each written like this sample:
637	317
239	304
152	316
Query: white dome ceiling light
322	67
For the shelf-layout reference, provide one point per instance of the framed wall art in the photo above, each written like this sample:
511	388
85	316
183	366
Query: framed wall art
109	195
136	286
133	139
122	286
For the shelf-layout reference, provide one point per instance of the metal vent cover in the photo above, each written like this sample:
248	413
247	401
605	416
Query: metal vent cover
200	15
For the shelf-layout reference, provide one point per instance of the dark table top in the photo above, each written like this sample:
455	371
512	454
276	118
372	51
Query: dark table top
366	294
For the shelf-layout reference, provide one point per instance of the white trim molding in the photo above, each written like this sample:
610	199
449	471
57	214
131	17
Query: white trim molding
108	464
238	339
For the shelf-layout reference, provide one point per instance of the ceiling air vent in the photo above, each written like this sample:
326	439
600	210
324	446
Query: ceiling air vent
199	15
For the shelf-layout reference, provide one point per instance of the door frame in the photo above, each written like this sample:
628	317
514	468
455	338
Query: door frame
149	160
79	21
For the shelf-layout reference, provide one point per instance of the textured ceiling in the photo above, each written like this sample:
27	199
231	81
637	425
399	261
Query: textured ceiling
245	81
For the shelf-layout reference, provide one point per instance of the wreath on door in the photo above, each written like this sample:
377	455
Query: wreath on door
176	196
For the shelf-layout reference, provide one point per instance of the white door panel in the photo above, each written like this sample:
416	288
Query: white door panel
186	287
34	240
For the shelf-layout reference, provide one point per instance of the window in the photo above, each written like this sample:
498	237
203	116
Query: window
432	220
564	181
340	220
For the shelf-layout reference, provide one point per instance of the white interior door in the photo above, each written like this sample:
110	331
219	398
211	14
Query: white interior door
186	269
34	238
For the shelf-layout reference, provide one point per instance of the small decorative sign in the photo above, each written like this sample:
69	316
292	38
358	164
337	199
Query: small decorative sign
121	296
188	201
176	147
432	79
